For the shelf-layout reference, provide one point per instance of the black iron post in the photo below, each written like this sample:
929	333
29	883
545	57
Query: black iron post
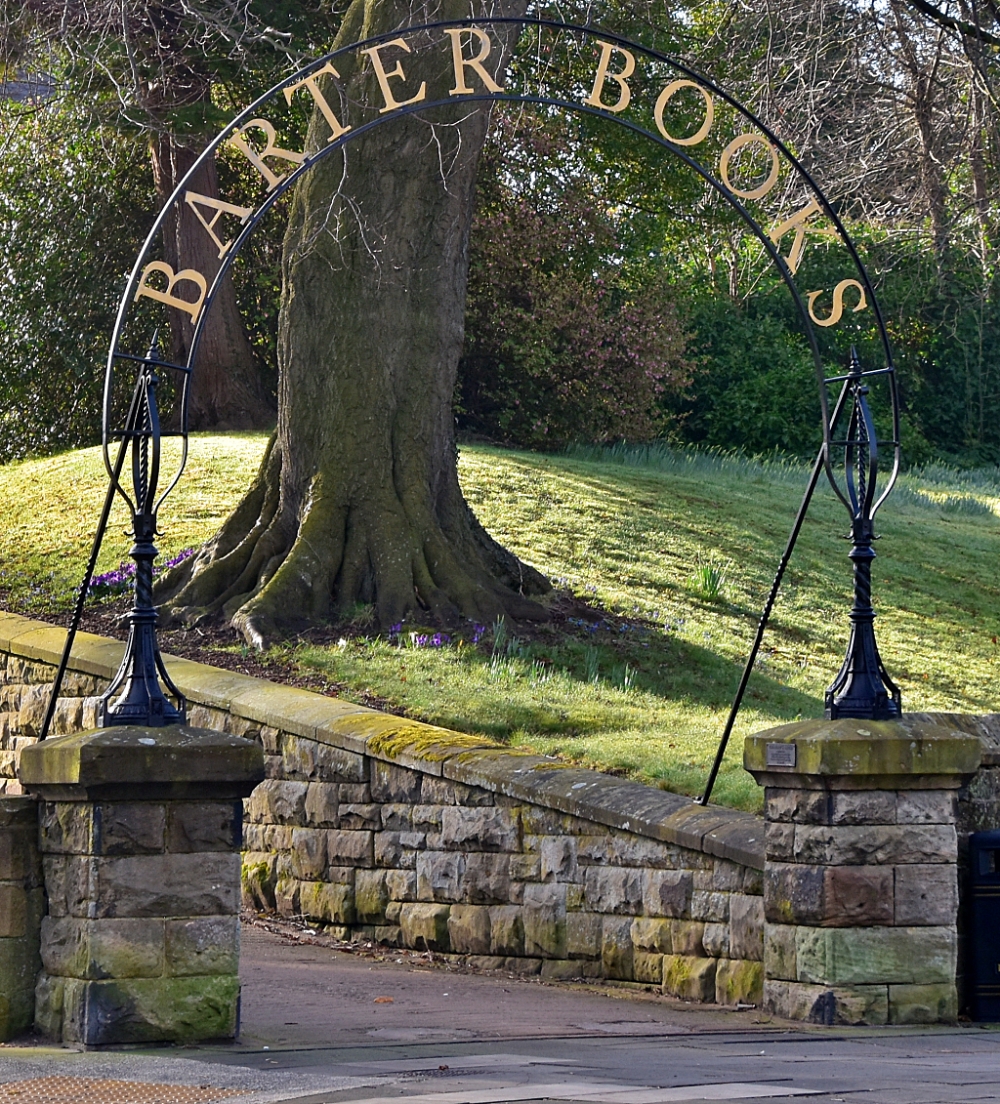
135	695
862	688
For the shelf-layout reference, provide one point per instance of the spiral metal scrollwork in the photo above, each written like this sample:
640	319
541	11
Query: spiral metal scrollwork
136	696
862	688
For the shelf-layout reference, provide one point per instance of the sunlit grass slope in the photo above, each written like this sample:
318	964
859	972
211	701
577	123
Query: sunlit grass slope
639	535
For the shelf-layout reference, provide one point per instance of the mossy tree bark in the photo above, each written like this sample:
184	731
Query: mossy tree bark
357	499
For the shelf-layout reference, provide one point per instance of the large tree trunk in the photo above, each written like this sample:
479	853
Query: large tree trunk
358	500
228	388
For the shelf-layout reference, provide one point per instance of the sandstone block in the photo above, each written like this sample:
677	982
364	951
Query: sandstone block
613	891
309	858
438	791
360	816
506	930
401	884
278	802
322	799
779	952
525	868
133	828
152	885
726	876
666	892
864	807
469	929
857	896
18	856
715	940
396	818
711	907
66	827
616	948
798	806
350	848
13	911
371	895
257	878
390	935
926	894
583	934
746	927
148	1010
126	948
923	1004
479	829
876	845
689	978
926	807
201	947
310	759
558	858
847	1005
544	920
647	967
779	842
794	893
738	981
394	784
650	934
425	927
204	826
439	875
864	956
424	818
328	902
555	969
686	936
486	880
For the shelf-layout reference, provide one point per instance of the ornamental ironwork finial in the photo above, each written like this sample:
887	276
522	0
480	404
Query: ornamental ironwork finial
862	688
136	695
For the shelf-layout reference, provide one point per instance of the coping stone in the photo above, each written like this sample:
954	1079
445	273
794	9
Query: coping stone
134	754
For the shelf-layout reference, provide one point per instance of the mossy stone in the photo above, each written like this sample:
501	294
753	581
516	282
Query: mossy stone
907	747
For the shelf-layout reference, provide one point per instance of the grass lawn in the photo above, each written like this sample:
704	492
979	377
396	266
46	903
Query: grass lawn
641	684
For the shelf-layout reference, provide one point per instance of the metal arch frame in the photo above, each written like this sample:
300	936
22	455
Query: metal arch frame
823	460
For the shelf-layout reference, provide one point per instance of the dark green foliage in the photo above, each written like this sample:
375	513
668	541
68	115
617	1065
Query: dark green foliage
75	204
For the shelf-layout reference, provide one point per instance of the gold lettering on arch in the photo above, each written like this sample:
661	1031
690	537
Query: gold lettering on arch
798	222
620	78
462	63
189	275
732	149
667	95
838	302
383	77
311	85
257	158
196	201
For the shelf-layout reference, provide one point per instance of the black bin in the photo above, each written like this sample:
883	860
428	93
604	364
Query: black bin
984	925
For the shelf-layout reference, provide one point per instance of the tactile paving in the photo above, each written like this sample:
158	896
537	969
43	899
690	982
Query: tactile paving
89	1090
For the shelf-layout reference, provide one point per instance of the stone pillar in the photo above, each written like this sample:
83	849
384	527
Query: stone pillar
861	875
21	906
140	832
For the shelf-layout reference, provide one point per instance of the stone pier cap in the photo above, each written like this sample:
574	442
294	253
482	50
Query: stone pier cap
129	761
915	751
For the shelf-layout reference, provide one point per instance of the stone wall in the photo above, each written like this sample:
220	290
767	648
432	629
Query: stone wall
427	838
387	828
21	907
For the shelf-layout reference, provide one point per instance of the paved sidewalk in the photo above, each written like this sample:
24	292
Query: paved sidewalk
321	1026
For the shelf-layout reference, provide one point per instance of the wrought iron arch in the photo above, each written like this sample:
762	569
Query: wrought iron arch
858	492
